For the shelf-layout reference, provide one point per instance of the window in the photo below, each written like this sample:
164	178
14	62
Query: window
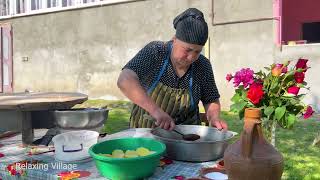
35	4
66	3
20	6
88	1
52	3
300	22
10	8
311	32
4	7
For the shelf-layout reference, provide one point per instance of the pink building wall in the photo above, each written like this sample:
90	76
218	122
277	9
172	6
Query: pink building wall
294	13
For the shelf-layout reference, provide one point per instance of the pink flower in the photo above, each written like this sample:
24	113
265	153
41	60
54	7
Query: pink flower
244	76
308	113
299	77
302	63
284	69
277	70
1	155
229	77
293	90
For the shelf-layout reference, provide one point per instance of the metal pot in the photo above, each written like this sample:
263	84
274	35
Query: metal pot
210	146
82	118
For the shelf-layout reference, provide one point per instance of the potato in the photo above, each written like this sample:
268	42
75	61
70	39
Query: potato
117	153
143	151
130	154
107	155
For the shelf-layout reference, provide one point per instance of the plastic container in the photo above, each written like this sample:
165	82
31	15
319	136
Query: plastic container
74	145
127	168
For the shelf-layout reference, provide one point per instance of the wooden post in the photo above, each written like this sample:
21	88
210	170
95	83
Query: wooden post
27	130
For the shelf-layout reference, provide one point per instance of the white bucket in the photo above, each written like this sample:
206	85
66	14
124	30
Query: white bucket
74	145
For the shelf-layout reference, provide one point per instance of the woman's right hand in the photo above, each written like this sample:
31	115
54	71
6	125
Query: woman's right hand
163	120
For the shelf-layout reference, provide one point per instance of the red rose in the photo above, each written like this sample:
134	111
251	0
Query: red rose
302	63
308	112
299	77
1	155
293	90
229	77
255	93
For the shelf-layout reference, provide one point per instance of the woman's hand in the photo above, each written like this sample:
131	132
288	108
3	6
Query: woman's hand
219	124
213	115
163	120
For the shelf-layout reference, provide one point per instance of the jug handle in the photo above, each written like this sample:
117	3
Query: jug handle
247	137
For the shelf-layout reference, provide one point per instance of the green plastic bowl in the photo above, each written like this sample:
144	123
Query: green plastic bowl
127	168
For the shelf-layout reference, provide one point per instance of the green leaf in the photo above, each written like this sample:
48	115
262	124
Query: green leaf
301	96
237	107
274	84
268	110
279	112
240	89
291	120
267	68
241	114
300	70
236	98
244	95
260	73
294	101
279	102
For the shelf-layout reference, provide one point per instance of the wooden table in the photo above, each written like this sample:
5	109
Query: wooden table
28	102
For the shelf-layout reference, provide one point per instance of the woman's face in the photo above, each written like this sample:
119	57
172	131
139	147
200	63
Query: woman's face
184	54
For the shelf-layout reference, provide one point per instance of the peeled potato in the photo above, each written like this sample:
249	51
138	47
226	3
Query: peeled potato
130	154
117	153
143	151
107	155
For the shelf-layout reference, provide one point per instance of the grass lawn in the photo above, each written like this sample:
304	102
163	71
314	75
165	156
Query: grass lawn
302	161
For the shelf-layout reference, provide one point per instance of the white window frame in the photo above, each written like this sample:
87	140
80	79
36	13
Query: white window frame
44	9
6	9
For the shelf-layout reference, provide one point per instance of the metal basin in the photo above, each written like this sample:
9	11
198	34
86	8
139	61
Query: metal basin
82	118
210	146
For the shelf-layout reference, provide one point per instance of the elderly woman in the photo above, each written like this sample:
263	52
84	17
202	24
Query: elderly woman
166	80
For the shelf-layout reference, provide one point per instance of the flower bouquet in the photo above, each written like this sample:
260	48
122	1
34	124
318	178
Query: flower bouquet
275	91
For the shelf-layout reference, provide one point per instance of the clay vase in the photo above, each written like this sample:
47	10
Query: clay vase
252	157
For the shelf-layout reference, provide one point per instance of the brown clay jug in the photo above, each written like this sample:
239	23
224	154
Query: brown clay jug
252	157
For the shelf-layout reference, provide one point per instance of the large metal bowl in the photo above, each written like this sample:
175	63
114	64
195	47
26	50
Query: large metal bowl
82	118
210	146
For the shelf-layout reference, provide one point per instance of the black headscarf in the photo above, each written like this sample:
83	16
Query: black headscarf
191	27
